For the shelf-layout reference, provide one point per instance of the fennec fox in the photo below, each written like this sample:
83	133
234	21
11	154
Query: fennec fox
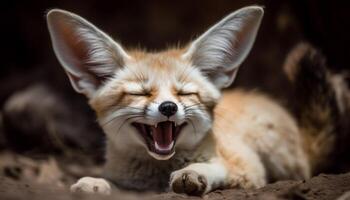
167	123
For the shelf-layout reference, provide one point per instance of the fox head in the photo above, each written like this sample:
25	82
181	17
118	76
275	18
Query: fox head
157	102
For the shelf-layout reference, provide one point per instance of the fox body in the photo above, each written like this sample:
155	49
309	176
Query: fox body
168	124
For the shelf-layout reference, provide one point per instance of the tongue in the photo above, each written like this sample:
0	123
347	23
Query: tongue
163	136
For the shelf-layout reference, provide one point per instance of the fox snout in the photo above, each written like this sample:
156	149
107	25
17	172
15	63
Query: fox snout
168	108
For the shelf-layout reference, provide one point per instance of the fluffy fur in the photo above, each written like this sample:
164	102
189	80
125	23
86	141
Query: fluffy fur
231	139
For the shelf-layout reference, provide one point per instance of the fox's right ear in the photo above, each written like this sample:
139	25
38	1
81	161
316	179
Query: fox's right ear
88	55
220	50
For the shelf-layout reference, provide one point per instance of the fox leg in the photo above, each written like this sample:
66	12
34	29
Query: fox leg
199	178
244	166
238	170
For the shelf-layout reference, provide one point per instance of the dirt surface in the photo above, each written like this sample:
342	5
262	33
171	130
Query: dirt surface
49	178
318	188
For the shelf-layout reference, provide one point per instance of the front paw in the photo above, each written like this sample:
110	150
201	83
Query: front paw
91	186
188	182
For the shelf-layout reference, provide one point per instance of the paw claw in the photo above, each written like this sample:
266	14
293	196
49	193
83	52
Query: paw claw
188	182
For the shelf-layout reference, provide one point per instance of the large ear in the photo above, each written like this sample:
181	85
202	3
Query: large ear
88	55
221	49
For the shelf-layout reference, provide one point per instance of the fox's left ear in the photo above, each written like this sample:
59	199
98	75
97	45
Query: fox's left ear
221	49
88	55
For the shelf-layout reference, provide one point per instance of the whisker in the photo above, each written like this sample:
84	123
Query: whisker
198	108
125	121
195	104
193	126
136	108
123	115
195	110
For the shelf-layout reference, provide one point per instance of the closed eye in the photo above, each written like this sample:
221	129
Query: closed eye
143	93
183	93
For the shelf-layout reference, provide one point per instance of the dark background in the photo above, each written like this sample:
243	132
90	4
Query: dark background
27	57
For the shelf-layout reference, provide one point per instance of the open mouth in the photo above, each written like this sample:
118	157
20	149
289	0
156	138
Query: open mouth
160	138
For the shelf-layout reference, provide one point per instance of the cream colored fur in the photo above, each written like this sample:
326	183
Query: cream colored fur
235	139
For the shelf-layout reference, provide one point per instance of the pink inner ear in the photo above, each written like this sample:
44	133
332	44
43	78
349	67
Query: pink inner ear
243	37
219	51
87	54
74	51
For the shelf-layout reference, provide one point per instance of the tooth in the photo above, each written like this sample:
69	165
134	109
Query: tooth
175	124
156	125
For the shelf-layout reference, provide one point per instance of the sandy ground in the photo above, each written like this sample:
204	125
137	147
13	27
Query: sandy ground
318	188
48	178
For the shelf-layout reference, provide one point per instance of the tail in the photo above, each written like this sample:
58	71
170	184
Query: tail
321	103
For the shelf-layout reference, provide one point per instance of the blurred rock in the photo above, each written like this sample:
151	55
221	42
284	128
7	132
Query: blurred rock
39	120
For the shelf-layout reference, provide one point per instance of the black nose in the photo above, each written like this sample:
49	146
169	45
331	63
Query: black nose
167	108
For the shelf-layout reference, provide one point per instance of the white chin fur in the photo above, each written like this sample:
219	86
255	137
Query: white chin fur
161	157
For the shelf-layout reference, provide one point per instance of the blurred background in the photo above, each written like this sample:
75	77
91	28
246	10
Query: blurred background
41	115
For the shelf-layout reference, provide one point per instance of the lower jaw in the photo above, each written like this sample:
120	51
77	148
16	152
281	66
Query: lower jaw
160	156
160	153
